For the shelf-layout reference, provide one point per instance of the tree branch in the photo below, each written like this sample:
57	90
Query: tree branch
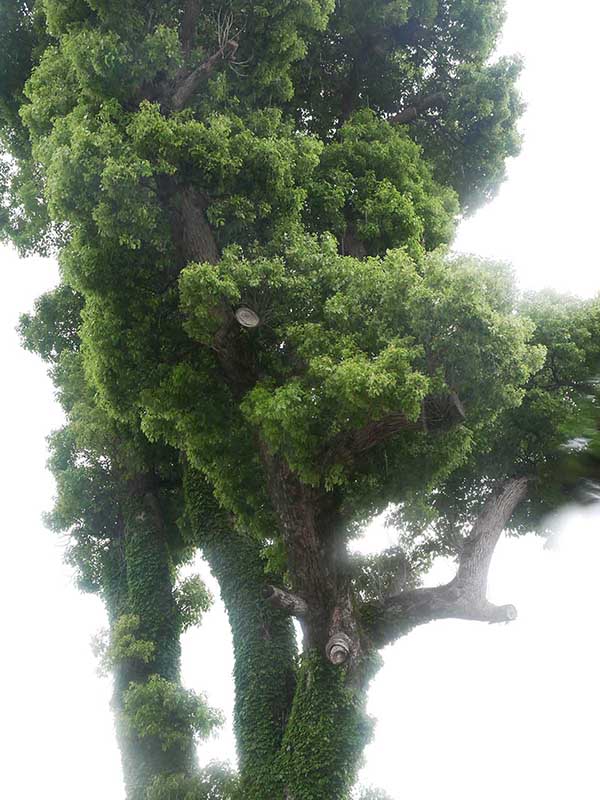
197	243
351	245
479	548
187	86
465	596
292	604
197	239
418	107
438	414
189	25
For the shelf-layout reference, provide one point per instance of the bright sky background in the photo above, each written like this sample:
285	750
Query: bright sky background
463	709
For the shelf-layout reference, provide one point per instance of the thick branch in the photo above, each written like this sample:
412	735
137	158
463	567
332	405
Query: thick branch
397	616
189	24
189	85
292	604
438	414
351	245
465	596
479	548
304	528
197	244
418	107
197	241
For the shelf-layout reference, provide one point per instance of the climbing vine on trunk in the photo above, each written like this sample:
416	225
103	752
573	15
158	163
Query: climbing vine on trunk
260	341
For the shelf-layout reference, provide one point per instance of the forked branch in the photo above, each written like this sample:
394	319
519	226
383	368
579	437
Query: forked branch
438	414
188	85
465	596
419	107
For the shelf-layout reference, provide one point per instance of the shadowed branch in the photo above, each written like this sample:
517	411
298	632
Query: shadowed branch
438	414
419	107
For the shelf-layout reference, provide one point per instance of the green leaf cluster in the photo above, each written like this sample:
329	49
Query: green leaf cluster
215	782
122	643
160	708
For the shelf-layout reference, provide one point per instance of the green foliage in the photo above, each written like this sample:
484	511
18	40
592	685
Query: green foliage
53	328
193	599
372	793
287	183
264	642
469	145
215	782
160	708
257	167
385	55
530	438
328	729
340	350
122	644
385	574
373	180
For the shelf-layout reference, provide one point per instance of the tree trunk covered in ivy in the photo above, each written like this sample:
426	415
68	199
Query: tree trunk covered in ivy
251	204
139	587
264	642
326	733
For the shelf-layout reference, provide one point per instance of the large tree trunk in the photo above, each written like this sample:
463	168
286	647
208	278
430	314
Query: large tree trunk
139	581
264	642
326	734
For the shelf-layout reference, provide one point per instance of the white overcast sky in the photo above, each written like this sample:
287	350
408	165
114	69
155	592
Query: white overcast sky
464	710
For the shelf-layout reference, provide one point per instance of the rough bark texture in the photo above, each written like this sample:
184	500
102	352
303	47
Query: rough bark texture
189	25
438	414
290	603
465	596
351	245
479	548
308	521
193	232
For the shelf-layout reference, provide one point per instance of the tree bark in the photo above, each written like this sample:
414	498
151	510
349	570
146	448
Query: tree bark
193	233
465	596
290	603
189	25
189	84
438	414
418	107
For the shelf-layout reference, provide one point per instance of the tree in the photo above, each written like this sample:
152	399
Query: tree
260	341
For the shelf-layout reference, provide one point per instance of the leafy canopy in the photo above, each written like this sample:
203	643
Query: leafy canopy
306	161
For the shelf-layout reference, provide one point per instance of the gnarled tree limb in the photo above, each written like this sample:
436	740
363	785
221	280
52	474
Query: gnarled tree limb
189	84
465	596
292	604
438	414
479	548
418	107
197	240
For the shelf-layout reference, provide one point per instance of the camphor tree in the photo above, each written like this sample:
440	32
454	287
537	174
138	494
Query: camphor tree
260	342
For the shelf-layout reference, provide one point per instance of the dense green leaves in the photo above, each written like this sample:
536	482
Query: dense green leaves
161	709
305	162
340	351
